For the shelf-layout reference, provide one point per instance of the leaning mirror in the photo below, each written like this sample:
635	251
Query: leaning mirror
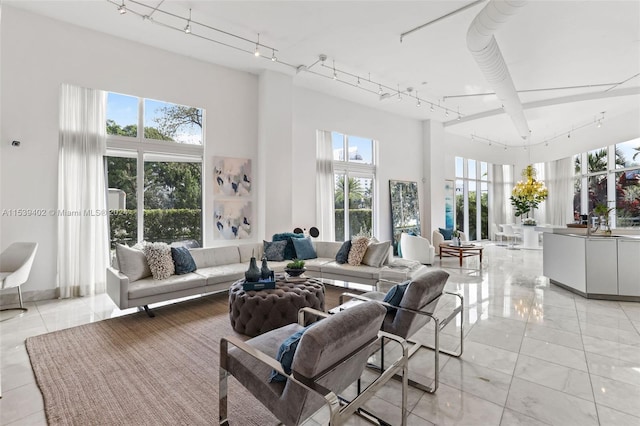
405	209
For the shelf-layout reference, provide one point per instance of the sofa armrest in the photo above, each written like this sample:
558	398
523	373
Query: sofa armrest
437	239
118	287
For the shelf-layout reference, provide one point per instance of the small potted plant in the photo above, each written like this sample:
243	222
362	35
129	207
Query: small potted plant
295	268
601	211
455	237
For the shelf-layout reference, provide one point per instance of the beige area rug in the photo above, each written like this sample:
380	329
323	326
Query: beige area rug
144	371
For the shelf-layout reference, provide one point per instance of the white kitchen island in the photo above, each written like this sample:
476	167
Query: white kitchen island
599	267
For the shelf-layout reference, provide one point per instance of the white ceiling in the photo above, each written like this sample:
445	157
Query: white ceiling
549	44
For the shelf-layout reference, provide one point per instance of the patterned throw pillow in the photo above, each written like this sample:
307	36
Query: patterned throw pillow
343	254
304	248
358	249
290	250
160	260
182	260
274	251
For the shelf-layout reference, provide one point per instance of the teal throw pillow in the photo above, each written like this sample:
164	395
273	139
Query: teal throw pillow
289	251
285	354
395	294
343	254
304	248
182	260
446	233
274	251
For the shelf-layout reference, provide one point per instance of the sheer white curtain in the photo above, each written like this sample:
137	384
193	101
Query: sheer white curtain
325	185
559	182
82	220
502	211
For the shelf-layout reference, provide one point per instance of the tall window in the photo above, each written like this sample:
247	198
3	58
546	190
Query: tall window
472	197
154	176
612	177
354	177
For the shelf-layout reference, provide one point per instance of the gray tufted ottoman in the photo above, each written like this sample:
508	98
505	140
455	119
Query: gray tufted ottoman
256	312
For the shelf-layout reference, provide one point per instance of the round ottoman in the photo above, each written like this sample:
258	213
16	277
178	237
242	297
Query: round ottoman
255	312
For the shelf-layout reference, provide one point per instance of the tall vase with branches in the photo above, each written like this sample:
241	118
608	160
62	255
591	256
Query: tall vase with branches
528	194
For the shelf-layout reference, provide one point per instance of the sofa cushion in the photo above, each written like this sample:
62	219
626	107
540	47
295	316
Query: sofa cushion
327	248
160	260
247	251
447	234
343	254
289	251
147	287
214	256
346	270
223	273
182	260
274	250
132	263
357	251
304	248
376	254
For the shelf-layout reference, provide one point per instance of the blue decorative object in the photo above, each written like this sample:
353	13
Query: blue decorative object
182	260
395	294
289	251
285	355
343	254
253	273
304	248
446	233
274	251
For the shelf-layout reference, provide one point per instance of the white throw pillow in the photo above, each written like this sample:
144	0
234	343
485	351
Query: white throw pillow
132	262
376	254
160	260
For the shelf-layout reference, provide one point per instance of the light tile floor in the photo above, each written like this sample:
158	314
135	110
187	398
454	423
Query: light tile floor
534	353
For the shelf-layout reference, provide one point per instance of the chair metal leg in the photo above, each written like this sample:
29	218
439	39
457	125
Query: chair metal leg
21	310
222	386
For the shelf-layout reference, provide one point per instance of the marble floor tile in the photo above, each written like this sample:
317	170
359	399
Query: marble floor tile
616	369
558	377
482	382
20	402
557	354
550	406
513	418
450	406
617	395
565	324
490	357
629	353
613	334
498	332
621	323
554	335
611	417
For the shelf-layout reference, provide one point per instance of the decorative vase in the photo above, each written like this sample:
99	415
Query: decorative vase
455	241
295	272
265	272
252	274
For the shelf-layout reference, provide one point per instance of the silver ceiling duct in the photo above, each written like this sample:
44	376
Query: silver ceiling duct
485	50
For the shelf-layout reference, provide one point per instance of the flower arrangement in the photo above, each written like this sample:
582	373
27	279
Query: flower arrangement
529	221
528	193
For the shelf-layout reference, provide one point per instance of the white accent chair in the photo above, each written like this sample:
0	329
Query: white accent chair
417	248
15	266
497	233
511	235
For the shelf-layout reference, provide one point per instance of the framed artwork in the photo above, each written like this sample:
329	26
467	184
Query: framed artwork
232	177
405	209
232	219
449	200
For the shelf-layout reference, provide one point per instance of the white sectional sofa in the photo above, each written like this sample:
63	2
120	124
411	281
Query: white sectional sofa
219	267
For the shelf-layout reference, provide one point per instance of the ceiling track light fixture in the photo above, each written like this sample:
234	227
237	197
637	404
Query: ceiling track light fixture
187	29
165	18
418	104
335	74
256	52
488	141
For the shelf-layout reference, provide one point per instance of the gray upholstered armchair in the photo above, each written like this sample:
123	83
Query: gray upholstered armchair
413	311
331	355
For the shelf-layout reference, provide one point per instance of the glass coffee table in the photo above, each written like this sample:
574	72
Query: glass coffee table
461	251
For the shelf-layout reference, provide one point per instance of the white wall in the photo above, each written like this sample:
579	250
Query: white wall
399	155
36	62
